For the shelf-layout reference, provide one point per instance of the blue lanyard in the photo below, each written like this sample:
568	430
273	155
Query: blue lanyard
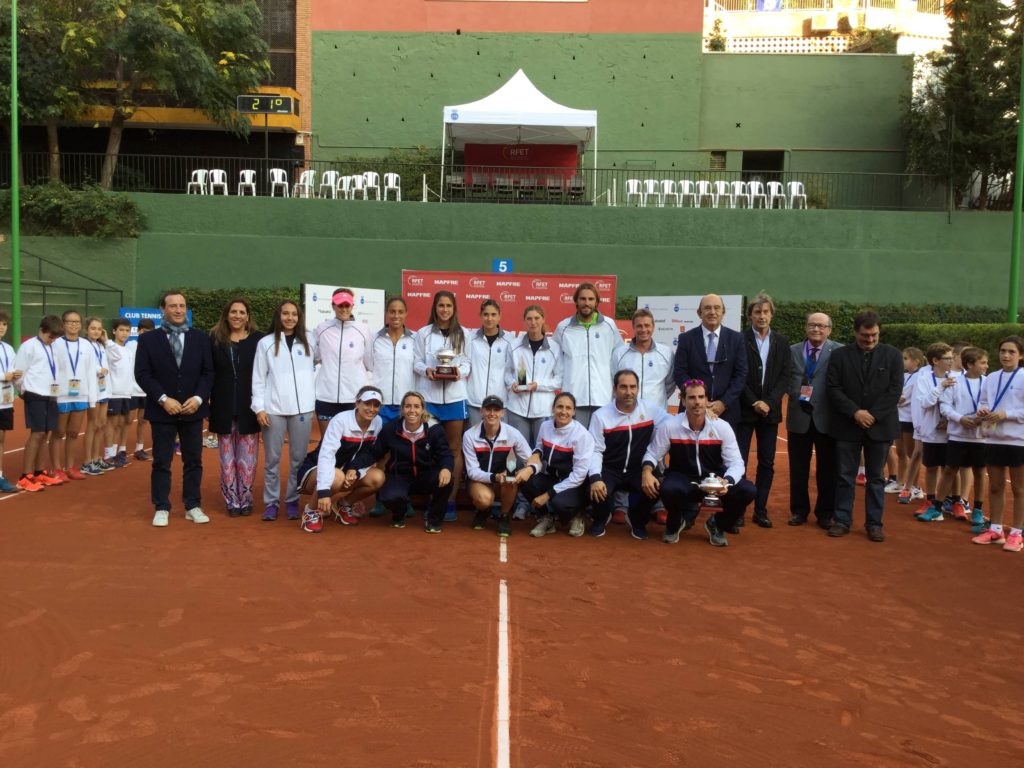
6	358
98	350
49	358
78	353
974	400
810	368
909	378
1000	392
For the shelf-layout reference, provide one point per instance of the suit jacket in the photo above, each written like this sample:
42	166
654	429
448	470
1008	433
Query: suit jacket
798	418
878	392
776	377
158	374
730	375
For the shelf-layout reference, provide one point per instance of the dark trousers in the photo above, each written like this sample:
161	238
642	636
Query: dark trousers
767	435
564	504
875	454
189	435
398	489
682	501
639	504
800	449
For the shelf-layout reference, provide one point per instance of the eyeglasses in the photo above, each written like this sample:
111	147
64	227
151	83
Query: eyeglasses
947	359
819	325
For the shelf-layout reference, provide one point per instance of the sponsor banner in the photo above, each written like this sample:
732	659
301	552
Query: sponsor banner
677	314
134	314
514	292
543	160
316	304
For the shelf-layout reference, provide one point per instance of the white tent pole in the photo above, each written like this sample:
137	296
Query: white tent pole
595	165
444	135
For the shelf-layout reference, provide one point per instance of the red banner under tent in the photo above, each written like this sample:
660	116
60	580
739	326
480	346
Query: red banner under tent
537	161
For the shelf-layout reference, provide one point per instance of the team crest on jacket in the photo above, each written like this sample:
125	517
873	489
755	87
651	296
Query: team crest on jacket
712	434
351	344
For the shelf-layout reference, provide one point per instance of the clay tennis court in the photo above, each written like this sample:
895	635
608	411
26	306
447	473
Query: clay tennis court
244	643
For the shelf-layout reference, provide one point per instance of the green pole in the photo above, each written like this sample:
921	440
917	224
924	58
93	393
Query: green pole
1018	199
15	199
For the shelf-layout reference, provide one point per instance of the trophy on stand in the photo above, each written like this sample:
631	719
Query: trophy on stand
713	486
445	370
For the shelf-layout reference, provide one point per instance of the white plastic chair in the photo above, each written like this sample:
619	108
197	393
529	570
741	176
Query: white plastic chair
724	190
247	180
504	185
456	183
775	192
755	192
554	186
704	190
797	194
576	187
686	190
198	183
218	178
653	189
393	183
371	180
740	196
668	192
279	180
345	187
635	190
358	186
304	187
329	181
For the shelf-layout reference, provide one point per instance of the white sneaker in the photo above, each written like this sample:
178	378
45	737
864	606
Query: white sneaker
576	526
544	527
520	512
196	515
916	494
893	487
210	441
161	518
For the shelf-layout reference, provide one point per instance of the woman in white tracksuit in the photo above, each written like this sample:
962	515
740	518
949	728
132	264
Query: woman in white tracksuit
283	401
394	358
345	357
533	374
488	352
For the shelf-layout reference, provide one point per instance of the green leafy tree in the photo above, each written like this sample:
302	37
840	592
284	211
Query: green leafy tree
201	53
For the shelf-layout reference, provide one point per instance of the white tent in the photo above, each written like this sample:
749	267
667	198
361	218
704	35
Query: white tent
518	113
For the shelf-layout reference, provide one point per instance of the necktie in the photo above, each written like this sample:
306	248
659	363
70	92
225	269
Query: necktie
712	350
177	347
814	354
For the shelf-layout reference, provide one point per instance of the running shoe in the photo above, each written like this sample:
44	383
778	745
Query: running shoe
947	506
103	466
978	522
161	518
6	487
60	476
291	510
544	526
924	509
959	511
479	521
398	522
638	532
933	515
619	517
378	510
916	494
450	515
311	520
990	537
576	526
342	512
26	484
210	441
196	515
74	474
1014	543
904	497
504	528
597	530
862	479
521	511
671	537
893	486
44	479
141	455
90	469
432	528
121	459
270	513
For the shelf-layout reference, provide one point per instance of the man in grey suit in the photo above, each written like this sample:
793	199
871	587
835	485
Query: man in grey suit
807	423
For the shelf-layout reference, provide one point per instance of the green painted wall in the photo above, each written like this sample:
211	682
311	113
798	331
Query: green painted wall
832	112
373	91
853	255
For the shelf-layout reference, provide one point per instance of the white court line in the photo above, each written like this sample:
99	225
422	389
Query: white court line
503	550
503	759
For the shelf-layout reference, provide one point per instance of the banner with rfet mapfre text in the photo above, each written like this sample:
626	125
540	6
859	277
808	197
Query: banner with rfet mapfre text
514	292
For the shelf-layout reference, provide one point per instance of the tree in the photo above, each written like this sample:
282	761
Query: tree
961	119
198	52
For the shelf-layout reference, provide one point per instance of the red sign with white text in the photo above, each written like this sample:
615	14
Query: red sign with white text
514	292
535	160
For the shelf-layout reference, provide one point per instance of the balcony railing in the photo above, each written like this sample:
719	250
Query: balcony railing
484	184
754	6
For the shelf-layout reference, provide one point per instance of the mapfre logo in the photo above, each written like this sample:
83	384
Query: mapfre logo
452	283
477	282
415	280
540	285
508	297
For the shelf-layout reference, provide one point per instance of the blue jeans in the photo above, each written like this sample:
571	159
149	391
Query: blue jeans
848	456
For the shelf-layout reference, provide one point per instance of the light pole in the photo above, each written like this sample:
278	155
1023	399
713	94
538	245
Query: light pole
15	197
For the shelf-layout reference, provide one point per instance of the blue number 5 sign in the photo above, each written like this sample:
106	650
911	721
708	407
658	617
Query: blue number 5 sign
501	265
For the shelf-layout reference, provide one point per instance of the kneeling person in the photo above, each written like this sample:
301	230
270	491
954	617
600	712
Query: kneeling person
329	467
696	446
487	448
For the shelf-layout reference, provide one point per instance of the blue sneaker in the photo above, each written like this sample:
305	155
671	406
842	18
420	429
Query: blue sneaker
947	506
933	515
451	516
978	522
6	487
597	529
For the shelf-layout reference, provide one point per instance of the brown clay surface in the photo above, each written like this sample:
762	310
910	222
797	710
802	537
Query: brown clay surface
245	643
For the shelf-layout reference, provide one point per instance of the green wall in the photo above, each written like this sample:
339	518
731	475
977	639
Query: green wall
373	91
854	255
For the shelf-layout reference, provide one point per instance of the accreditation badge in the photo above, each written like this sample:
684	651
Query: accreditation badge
102	379
7	393
74	387
805	393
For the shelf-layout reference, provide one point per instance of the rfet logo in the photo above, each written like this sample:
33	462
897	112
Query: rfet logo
566	298
477	282
509	153
415	280
508	297
604	286
540	285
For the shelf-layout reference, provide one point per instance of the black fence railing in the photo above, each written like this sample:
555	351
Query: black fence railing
491	184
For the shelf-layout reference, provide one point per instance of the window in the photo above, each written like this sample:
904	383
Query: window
278	29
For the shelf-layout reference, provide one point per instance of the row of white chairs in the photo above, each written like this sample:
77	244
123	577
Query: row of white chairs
331	184
735	194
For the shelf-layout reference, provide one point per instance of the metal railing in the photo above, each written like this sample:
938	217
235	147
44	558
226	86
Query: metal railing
754	6
50	288
506	185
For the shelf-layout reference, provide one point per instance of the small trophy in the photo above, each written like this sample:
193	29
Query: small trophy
521	375
445	370
713	486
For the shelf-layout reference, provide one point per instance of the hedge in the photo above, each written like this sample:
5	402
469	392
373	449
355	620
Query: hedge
55	209
206	305
920	335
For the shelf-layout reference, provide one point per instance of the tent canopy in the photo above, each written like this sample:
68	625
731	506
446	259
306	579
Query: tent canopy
518	113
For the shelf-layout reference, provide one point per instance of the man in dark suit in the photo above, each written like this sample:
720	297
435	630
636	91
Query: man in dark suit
807	420
865	380
174	367
768	372
713	354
